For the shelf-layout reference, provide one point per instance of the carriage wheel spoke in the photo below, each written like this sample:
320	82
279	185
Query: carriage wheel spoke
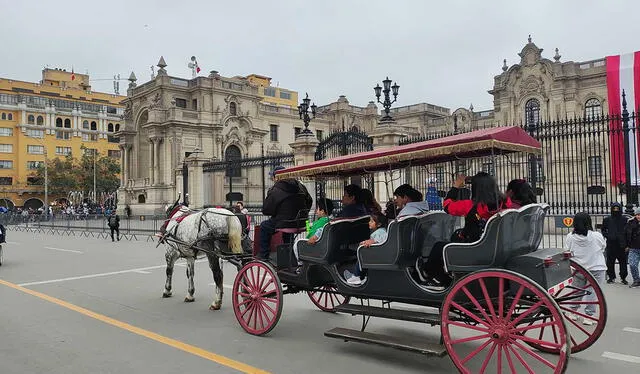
263	290
531	309
534	355
246	285
470	339
522	361
268	307
577	325
264	275
476	351
501	297
509	360
469	314
533	327
486	360
515	302
487	298
580	314
537	341
467	326
476	303
499	359
246	309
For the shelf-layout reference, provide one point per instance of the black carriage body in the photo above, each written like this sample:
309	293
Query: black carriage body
548	267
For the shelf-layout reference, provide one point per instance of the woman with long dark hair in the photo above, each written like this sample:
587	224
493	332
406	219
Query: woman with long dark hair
477	206
520	192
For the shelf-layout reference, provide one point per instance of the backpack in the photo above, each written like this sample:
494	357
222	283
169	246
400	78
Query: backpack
113	221
3	234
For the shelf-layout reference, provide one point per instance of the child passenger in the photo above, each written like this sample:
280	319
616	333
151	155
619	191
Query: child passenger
378	227
324	208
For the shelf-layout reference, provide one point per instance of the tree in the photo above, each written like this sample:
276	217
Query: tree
61	175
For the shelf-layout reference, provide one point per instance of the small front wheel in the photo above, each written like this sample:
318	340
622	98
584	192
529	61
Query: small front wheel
257	298
326	298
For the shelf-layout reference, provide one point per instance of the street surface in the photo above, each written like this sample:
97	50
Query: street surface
87	305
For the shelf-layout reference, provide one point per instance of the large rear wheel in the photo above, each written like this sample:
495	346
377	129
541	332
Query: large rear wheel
327	299
257	298
1	255
490	317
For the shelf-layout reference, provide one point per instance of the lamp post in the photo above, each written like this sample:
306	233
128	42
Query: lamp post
386	89
303	110
185	175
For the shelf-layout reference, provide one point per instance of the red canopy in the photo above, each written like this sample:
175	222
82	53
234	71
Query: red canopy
497	140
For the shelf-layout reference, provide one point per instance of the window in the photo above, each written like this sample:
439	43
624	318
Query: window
63	151
532	113
232	109
592	108
6	164
110	127
6	181
296	131
595	166
40	121
194	104
112	110
113	139
58	122
90	151
32	165
31	120
6	131
181	103
34	181
273	132
67	123
4	116
10	117
117	127
85	125
32	133
90	137
141	199
6	148
35	149
113	153
319	134
285	95
94	126
232	154
270	91
63	135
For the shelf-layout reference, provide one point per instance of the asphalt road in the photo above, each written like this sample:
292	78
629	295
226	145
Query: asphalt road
84	305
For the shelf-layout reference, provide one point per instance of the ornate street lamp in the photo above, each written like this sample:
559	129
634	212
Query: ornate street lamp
303	110
387	89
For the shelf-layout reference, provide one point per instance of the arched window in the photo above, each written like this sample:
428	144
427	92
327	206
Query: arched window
592	108
117	127
31	119
10	117
4	116
110	127
532	113
94	126
141	199
40	121
233	153
58	122
67	123
85	125
232	109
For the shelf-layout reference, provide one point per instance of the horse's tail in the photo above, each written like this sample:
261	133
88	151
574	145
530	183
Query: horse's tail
235	234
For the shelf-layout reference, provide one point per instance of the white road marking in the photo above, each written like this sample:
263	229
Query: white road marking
621	357
223	285
13	243
631	329
64	250
142	272
92	276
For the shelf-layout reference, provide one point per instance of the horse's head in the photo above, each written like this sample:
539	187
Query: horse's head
172	208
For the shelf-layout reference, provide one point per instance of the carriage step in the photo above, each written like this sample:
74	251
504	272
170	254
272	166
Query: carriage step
399	314
404	344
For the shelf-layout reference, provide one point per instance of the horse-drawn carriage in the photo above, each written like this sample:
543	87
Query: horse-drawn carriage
512	305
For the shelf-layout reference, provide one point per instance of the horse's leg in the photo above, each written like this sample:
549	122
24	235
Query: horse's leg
171	256
216	269
191	288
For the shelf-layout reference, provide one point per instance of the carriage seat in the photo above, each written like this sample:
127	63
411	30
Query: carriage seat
408	238
336	238
507	234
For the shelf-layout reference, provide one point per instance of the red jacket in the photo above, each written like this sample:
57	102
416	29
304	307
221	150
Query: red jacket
476	215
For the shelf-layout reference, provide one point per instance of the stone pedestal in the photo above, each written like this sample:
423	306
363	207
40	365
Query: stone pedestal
304	150
387	135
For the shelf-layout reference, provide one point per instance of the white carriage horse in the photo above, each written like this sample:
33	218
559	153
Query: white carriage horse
212	231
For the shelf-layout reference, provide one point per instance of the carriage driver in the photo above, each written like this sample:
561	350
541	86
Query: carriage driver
287	203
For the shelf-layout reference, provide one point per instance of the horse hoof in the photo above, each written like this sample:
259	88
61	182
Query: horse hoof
189	299
166	294
215	306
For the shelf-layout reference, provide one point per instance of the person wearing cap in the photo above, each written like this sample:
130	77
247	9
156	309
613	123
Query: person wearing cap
632	237
287	204
613	229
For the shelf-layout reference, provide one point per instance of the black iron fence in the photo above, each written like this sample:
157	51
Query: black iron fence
586	164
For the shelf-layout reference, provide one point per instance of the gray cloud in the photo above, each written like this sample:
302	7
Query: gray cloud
445	54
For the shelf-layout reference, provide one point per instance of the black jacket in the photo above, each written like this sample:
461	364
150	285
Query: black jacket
288	200
613	229
115	222
632	234
353	210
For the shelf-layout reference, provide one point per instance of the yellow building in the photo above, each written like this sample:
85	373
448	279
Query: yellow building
51	119
274	95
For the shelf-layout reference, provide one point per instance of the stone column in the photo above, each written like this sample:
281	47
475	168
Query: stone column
156	161
387	135
123	181
125	168
152	159
304	149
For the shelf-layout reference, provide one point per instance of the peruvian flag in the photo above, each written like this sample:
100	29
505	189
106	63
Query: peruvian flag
197	67
623	73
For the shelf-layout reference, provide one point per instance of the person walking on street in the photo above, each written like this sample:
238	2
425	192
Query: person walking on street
114	225
613	229
632	236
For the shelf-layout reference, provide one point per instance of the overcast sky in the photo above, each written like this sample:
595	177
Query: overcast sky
444	54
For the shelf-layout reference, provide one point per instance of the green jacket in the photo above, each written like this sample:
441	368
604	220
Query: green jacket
316	225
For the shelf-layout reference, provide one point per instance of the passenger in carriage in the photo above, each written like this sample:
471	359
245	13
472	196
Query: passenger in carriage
409	201
352	202
378	227
477	206
520	192
324	208
369	202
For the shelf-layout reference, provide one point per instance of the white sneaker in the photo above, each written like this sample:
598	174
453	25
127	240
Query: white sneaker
588	322
347	274
356	281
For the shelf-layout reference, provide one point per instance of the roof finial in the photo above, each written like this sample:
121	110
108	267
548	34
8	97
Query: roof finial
504	65
557	56
529	38
132	80
161	64
471	107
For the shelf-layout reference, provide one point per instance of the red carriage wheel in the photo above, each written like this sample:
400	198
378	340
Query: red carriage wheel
257	298
327	299
586	316
494	315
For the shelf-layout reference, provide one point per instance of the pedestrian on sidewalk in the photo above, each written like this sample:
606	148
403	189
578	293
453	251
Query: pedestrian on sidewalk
114	225
632	235
613	228
587	247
